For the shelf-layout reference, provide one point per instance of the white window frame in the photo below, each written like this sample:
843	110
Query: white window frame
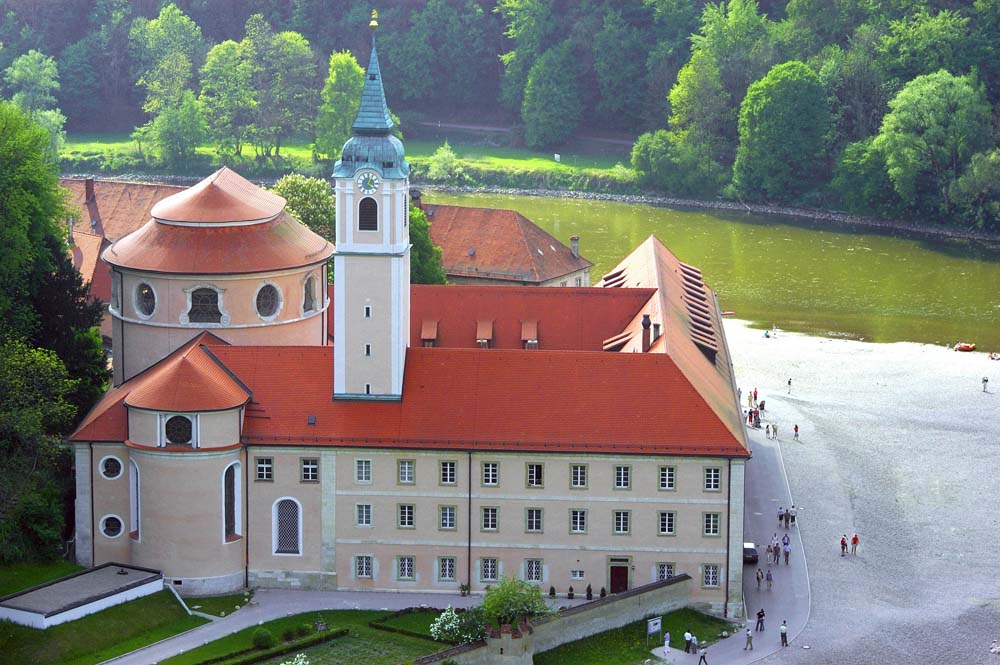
403	561
534	483
105	518
162	429
265	464
623	477
135	300
260	287
572	520
495	566
360	464
308	465
402	464
274	526
489	510
713	479
662	568
400	510
495	475
671	522
539	565
237	500
121	467
360	508
442	510
573	479
527	520
617	522
667	478
135	500
361	574
441	568
224	320
711	525
577	574
711	569
446	469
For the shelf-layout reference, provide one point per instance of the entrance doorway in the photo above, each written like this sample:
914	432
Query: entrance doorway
618	573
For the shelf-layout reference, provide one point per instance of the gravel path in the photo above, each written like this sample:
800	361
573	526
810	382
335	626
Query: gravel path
900	445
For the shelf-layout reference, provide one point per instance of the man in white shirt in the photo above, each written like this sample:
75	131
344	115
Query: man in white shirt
687	641
749	644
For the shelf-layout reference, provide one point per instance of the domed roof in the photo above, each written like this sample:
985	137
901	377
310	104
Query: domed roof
223	225
225	197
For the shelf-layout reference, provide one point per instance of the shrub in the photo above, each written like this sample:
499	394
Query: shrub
304	629
444	164
288	634
459	627
513	599
263	639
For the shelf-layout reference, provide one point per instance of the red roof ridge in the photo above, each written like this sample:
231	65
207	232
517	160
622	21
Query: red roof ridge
225	197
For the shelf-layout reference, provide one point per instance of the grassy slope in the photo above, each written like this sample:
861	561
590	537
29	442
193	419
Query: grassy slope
416	622
26	575
627	645
217	605
98	637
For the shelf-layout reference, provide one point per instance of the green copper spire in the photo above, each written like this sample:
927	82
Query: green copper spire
373	115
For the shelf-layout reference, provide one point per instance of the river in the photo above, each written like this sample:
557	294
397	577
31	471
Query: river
819	278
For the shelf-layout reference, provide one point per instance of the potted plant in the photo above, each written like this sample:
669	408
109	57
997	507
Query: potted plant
569	594
590	592
464	589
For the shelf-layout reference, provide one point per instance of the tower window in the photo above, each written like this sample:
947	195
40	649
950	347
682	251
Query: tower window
145	299
308	295
205	306
368	311
368	214
178	430
268	300
368	350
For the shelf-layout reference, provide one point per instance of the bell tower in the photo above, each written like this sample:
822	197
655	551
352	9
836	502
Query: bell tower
372	260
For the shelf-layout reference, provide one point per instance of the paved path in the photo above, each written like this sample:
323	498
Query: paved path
788	600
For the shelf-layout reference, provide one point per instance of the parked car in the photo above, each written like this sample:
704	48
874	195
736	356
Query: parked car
750	553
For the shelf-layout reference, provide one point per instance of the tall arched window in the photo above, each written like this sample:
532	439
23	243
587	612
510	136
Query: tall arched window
287	526
205	306
231	518
309	295
133	495
368	214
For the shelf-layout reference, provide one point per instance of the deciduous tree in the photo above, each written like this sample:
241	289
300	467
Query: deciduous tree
227	99
311	201
425	256
341	97
552	108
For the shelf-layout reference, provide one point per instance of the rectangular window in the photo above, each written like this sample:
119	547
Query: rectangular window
310	470
576	574
668	520
405	516
368	350
265	468
446	568
534	472
578	476
713	478
488	570
664	571
532	570
404	567
407	471
623	521
368	311
449	473
368	389
490	519
578	281
491	473
712	522
363	566
363	514
533	520
710	575
362	470
668	477
448	518
623	477
578	521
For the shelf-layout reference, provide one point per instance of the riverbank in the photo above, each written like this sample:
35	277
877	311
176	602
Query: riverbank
899	444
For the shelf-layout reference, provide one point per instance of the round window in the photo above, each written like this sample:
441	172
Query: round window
111	526
178	430
145	299
111	467
267	301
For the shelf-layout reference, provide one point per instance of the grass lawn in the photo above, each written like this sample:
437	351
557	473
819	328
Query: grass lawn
415	622
364	645
627	645
218	605
26	575
98	637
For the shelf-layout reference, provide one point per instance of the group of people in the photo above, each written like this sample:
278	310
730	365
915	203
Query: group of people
753	411
691	646
854	544
787	517
783	630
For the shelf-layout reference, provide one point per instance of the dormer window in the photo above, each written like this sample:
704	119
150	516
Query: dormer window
205	306
368	214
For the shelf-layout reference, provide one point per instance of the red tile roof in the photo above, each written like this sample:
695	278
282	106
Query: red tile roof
499	245
221	198
118	208
85	252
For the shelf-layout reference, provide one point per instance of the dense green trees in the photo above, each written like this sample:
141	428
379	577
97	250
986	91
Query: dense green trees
341	97
425	256
552	108
32	78
311	201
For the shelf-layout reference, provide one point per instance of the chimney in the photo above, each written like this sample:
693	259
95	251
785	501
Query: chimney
574	246
646	323
89	188
69	232
415	195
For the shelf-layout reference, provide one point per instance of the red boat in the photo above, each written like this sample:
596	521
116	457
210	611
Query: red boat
965	346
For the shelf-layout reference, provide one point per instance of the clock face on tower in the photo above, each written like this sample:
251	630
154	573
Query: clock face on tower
368	183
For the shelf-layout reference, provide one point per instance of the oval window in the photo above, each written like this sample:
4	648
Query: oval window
111	526
111	467
145	299
178	430
267	301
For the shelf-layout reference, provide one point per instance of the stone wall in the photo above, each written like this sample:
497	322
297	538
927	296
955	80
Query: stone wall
572	624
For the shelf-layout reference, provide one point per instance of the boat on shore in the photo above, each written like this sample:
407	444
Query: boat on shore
965	346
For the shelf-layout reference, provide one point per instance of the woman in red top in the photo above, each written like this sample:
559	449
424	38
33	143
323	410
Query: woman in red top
843	545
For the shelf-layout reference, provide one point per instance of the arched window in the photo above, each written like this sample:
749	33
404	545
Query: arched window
231	503
145	299
268	301
308	295
287	529
368	214
133	495
205	306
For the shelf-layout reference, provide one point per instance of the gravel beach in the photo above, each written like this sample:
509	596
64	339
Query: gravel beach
899	444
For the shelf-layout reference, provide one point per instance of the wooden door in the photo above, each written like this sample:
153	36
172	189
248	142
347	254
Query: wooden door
619	579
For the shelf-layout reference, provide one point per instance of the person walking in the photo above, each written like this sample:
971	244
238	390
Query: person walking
694	644
781	515
760	574
784	634
774	432
767	431
687	641
789	386
704	652
666	643
770	579
749	644
760	619
788	517
785	540
796	430
792	513
843	545
854	545
755	393
777	554
787	549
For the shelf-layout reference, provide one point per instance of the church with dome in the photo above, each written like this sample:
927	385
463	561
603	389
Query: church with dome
289	413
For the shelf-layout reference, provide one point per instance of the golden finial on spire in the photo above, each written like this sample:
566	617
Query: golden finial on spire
373	24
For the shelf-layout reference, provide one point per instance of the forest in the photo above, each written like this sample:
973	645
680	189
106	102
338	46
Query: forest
882	107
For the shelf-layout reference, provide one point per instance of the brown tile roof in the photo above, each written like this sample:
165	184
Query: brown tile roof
86	252
221	198
118	207
498	244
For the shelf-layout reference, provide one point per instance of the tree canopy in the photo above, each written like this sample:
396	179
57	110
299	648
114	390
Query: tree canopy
311	201
341	98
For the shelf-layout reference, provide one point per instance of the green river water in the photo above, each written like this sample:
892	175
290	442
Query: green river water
818	278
